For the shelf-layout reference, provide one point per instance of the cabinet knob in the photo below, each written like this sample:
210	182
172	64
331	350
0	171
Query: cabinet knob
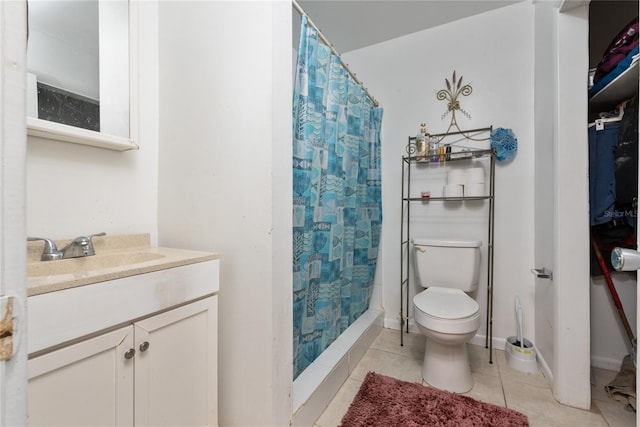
129	353
144	346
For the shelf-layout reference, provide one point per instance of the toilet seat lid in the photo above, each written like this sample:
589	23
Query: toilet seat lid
446	303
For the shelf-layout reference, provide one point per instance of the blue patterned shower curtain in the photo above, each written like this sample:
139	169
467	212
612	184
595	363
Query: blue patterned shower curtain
337	206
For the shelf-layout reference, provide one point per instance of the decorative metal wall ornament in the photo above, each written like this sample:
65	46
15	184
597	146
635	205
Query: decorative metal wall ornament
452	93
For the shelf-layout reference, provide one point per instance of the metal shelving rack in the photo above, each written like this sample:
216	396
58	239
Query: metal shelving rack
405	234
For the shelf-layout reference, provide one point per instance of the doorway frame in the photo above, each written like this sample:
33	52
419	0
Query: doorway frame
13	140
562	240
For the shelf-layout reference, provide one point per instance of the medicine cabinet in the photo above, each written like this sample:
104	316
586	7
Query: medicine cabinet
81	72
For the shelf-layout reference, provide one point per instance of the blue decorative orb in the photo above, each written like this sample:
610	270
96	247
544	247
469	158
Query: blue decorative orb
505	143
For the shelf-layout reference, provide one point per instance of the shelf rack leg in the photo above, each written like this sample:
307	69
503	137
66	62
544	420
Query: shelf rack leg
490	249
402	233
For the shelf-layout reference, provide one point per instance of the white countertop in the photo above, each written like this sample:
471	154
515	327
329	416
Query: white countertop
99	268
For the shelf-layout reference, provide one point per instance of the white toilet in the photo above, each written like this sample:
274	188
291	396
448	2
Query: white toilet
444	312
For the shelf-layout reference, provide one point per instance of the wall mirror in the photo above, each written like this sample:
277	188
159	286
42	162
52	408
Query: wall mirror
80	72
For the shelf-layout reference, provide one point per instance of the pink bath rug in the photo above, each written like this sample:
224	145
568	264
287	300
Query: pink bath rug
385	402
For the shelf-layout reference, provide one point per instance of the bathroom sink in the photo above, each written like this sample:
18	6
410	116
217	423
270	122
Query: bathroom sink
117	257
90	263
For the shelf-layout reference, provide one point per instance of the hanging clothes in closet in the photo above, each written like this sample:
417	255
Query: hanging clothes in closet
626	163
603	142
613	181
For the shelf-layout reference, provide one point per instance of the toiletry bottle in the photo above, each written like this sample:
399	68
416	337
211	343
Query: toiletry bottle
421	142
434	151
427	144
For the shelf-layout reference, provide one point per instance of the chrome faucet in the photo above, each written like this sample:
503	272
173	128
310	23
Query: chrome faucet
79	247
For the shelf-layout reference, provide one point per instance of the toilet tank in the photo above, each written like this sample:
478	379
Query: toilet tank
447	263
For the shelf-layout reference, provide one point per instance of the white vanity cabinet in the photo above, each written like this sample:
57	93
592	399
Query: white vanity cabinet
175	366
88	383
166	364
158	367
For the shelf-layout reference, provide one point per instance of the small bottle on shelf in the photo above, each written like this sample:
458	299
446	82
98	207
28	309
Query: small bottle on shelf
434	150
422	142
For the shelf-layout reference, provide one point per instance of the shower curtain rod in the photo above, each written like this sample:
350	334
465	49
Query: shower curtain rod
301	11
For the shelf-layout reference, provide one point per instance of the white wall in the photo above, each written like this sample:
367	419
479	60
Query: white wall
77	190
494	52
609	341
570	314
225	184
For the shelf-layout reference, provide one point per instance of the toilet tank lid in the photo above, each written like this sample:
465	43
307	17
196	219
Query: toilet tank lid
447	243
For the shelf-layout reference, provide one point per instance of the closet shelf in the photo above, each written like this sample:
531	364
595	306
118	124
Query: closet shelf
622	87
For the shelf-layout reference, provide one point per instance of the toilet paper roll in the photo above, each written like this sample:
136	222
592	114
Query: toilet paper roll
455	177
474	190
453	190
474	176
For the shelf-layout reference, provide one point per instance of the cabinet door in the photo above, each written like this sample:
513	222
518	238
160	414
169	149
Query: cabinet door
176	366
85	384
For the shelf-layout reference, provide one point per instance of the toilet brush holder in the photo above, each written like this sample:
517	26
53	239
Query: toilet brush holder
521	357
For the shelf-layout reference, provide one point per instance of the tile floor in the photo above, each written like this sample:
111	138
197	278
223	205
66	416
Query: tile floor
495	383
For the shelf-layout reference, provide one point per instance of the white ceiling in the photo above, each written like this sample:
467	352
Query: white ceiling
348	24
353	24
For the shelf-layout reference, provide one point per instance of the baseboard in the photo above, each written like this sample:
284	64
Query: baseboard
544	367
608	363
479	339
